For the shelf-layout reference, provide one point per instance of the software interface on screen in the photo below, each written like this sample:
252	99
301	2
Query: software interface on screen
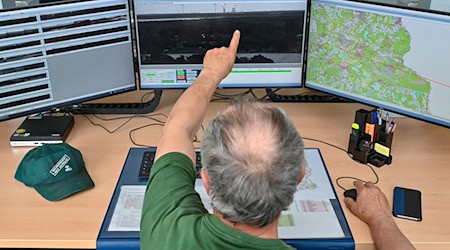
50	56
173	37
388	57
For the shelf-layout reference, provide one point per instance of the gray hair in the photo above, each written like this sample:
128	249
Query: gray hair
253	156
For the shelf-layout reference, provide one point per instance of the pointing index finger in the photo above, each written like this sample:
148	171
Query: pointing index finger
234	43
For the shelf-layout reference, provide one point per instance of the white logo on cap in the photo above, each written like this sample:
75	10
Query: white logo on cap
59	165
67	168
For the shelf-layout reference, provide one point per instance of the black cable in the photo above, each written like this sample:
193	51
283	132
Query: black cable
151	117
145	95
220	96
253	94
264	97
195	139
346	177
105	128
130	134
232	95
329	144
129	118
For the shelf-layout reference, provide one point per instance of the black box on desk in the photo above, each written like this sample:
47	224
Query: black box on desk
39	130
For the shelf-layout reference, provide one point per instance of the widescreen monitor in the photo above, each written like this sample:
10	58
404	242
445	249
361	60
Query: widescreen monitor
173	37
64	53
387	57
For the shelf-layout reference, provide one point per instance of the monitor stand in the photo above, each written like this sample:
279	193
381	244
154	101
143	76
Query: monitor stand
39	129
116	108
274	97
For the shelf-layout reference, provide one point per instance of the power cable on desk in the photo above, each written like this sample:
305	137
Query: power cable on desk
249	91
346	177
264	97
145	95
130	134
151	117
220	96
105	128
128	119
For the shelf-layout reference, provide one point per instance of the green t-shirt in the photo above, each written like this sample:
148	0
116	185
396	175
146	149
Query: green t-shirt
173	215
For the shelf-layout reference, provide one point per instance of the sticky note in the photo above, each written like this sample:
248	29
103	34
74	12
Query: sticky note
381	149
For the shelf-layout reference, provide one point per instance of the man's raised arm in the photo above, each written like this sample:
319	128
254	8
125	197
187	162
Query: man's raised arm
188	112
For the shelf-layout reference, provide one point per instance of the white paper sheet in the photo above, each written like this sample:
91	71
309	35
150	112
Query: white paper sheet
127	213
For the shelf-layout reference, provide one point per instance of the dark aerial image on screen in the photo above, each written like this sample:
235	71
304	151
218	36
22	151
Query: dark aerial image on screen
267	37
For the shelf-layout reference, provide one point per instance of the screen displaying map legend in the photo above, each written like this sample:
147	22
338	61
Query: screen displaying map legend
387	57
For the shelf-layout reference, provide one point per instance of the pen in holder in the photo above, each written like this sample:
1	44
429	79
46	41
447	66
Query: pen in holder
371	138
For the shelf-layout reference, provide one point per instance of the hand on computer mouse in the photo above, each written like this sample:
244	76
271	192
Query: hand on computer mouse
351	193
371	204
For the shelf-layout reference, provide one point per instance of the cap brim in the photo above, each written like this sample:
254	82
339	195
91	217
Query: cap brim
63	188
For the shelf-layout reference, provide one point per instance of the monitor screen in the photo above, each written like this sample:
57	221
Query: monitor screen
393	58
173	37
52	56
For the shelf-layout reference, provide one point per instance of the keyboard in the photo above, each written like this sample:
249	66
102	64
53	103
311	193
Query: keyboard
149	157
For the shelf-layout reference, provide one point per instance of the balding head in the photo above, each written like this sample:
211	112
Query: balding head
253	156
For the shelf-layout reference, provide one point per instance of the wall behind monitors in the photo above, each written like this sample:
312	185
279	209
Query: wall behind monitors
173	37
387	57
64	53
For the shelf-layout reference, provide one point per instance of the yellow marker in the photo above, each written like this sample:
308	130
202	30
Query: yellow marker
381	149
20	131
355	129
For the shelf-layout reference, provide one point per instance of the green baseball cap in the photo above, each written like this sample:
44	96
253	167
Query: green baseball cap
55	171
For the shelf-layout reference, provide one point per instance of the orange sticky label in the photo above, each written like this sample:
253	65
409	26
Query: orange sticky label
370	129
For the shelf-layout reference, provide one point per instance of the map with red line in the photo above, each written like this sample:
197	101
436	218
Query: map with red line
362	53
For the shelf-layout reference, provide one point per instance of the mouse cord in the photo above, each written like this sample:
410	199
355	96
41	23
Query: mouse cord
346	177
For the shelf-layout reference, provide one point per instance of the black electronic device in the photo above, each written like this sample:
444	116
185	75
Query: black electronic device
39	130
351	193
64	53
407	204
173	37
149	157
398	64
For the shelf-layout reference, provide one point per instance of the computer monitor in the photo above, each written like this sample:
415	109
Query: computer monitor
173	37
393	58
65	53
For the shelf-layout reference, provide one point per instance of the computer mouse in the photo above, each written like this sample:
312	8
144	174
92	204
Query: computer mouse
351	193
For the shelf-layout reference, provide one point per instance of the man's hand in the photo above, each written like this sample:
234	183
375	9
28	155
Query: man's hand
372	207
371	204
218	62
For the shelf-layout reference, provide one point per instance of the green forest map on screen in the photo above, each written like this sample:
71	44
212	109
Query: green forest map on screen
362	53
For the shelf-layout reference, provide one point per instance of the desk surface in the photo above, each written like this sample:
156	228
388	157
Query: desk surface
420	161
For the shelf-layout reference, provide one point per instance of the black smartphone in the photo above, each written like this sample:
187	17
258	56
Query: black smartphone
407	204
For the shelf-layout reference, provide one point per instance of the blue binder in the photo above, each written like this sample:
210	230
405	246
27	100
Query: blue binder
123	240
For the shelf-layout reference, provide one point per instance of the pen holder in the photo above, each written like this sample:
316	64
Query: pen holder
359	147
370	145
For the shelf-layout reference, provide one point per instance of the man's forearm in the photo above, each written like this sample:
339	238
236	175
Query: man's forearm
387	235
189	110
